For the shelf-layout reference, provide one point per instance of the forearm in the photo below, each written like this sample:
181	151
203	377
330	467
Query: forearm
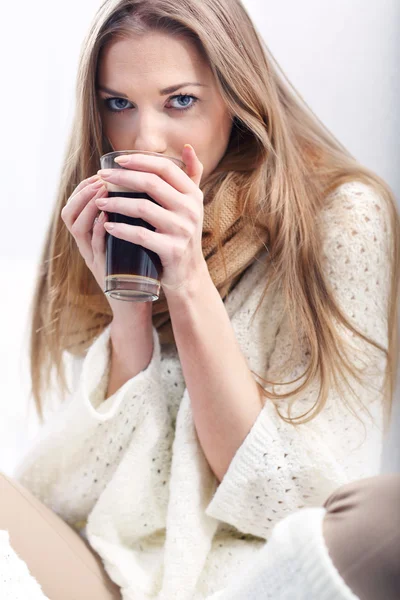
131	341
224	396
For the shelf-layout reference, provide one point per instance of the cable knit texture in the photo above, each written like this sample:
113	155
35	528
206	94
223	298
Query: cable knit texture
129	472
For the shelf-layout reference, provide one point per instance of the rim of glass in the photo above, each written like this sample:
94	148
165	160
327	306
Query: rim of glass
121	152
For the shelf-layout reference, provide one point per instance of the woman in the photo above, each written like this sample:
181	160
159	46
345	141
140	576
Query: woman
212	439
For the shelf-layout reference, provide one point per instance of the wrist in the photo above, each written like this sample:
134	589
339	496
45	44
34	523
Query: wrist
190	287
131	344
131	339
132	317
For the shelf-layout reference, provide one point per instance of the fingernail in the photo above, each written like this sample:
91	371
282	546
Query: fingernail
105	174
97	184
109	225
101	202
121	159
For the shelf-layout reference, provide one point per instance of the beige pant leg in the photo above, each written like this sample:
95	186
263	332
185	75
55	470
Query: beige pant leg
362	533
63	563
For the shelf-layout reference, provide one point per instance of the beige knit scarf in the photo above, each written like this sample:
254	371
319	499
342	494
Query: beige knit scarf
241	242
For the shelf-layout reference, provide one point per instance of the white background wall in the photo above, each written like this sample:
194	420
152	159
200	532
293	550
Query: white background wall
342	56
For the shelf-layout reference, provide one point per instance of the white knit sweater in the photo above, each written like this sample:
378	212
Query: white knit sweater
129	472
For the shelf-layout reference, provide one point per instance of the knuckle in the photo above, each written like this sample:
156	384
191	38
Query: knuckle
176	251
191	231
152	183
142	234
65	210
114	204
165	170
75	229
192	214
62	214
140	207
116	173
184	229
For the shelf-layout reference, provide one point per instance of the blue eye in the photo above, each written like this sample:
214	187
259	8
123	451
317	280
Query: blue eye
117	108
118	102
187	97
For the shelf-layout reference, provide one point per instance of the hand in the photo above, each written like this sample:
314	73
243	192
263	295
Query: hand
177	218
79	215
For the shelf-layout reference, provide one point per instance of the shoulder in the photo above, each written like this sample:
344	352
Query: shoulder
357	251
355	200
356	220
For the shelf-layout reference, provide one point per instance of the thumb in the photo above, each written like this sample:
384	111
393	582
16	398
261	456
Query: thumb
194	168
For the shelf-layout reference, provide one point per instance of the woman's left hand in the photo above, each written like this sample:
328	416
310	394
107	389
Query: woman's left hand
178	221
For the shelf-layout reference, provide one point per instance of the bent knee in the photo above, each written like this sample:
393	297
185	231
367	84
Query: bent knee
380	494
362	525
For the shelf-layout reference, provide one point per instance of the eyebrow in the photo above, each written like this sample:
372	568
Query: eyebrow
164	92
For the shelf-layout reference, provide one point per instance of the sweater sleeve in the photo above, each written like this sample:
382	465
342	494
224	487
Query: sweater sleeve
280	467
81	444
91	378
295	563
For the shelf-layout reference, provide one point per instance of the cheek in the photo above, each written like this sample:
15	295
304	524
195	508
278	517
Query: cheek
113	123
213	141
106	124
118	135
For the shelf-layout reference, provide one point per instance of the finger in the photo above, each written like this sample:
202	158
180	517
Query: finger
82	228
163	220
84	223
152	240
76	204
99	236
194	168
149	183
165	168
83	184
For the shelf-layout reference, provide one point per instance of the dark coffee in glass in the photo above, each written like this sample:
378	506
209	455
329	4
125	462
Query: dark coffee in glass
133	273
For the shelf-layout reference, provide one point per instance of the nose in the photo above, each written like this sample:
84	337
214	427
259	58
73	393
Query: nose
148	134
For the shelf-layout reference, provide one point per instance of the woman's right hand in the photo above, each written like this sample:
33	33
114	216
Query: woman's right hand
79	216
131	327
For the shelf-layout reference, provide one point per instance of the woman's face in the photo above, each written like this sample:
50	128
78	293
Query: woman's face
138	112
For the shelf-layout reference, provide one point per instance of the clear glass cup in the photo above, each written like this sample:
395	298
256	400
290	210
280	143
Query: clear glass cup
133	273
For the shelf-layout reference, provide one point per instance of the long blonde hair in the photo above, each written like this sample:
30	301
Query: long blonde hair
279	151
